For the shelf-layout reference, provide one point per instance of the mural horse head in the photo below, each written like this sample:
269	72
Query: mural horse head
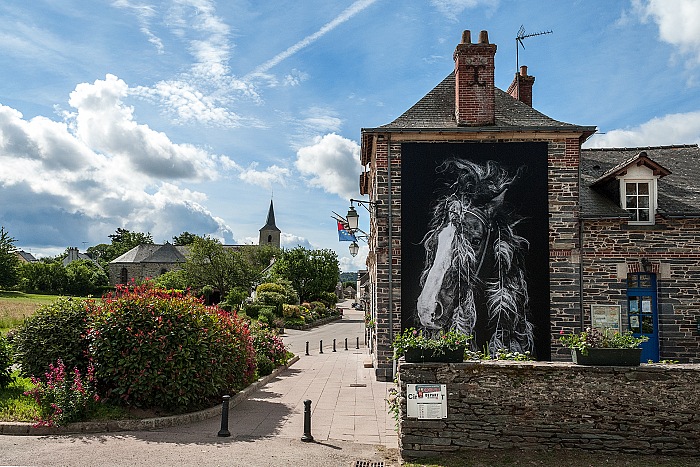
474	279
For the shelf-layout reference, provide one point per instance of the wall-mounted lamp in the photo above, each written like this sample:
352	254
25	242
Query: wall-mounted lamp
353	219
354	248
351	223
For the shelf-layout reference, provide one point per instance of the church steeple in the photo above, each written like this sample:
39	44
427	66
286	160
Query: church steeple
269	233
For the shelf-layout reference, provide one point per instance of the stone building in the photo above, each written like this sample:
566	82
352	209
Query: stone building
151	260
488	217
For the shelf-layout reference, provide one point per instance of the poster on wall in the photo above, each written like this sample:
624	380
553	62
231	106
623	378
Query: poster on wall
475	243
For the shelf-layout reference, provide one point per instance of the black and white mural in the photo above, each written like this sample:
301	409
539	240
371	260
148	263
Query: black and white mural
475	247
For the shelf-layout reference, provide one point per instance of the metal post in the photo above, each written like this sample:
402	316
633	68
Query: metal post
333	345
346	343
358	342
307	347
320	346
224	418
307	422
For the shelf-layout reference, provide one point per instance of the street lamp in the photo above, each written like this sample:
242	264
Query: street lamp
353	219
354	248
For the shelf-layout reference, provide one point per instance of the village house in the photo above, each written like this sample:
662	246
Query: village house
487	216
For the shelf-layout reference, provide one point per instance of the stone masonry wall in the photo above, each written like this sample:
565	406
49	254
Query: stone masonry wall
612	248
539	405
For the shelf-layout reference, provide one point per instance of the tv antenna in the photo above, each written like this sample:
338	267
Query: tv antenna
519	42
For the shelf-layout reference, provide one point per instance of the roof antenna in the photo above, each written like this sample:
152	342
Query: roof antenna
519	40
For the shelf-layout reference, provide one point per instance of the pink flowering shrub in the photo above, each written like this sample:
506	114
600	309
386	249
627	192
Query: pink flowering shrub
166	350
269	349
63	398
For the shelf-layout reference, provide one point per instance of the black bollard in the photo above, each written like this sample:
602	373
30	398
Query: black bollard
320	346
333	345
346	343
224	418
307	347
358	342
307	422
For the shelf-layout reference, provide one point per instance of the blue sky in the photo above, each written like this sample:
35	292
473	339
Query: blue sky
189	115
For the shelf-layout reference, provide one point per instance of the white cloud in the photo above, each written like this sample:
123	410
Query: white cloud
453	8
288	240
144	13
677	21
77	180
682	128
273	175
332	164
104	123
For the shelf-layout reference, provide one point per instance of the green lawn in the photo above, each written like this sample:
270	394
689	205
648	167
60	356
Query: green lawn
15	306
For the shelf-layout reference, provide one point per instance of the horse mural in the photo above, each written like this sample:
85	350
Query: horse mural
474	279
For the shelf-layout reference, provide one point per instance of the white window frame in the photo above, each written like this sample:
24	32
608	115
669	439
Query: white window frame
640	175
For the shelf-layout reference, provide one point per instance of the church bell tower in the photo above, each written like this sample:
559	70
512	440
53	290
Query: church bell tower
269	233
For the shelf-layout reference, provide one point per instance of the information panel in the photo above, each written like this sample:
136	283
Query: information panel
426	401
606	316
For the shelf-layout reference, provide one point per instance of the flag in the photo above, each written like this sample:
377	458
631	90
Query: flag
345	235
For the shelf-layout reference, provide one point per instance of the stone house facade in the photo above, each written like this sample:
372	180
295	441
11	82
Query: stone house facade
588	243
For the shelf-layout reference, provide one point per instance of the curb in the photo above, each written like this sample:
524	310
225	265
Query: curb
146	424
316	323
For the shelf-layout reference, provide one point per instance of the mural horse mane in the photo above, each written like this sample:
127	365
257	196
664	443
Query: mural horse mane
474	280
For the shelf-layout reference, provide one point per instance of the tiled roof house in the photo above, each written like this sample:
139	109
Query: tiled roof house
612	236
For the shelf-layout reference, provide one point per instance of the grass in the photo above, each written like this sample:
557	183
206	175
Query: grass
557	458
14	405
15	306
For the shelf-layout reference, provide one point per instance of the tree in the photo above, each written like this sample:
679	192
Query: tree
311	272
9	262
185	238
44	277
123	240
85	277
209	263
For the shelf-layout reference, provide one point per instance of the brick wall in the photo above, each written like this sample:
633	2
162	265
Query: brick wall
534	405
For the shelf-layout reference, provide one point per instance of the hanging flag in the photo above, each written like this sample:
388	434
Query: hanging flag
345	235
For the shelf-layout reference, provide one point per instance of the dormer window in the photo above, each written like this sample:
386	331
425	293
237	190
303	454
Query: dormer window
638	200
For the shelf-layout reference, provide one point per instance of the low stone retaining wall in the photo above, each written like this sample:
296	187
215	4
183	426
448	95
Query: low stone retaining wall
551	405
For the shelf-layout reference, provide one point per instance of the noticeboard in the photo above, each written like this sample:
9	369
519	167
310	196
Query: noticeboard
426	401
605	316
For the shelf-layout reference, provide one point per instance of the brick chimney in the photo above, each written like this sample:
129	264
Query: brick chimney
474	81
521	87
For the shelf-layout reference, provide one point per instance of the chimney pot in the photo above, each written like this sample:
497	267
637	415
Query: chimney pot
484	37
467	37
523	70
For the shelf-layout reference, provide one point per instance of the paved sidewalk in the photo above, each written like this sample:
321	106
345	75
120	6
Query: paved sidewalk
350	422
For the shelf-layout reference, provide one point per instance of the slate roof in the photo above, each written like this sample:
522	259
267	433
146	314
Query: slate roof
270	223
678	192
436	111
151	253
26	256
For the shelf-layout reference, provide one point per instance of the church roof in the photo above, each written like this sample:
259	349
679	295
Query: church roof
270	224
151	253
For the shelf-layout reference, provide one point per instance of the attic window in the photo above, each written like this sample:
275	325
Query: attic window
638	198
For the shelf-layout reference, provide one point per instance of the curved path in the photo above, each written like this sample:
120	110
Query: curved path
350	420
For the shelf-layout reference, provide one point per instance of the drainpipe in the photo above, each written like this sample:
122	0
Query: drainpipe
391	259
580	242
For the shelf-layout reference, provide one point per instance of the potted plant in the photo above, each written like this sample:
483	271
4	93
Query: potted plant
604	347
416	347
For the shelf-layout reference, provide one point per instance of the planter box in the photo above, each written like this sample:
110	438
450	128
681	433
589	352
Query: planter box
426	355
607	357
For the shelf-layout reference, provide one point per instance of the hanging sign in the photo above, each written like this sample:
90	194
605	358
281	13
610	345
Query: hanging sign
605	316
426	401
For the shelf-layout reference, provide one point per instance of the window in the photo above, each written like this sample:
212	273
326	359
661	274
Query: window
639	200
124	276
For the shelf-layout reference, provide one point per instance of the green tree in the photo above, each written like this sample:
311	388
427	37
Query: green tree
85	277
44	277
185	238
9	262
123	240
311	272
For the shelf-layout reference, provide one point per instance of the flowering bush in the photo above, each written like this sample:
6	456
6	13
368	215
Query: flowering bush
270	351
62	399
413	339
593	338
56	331
5	363
159	349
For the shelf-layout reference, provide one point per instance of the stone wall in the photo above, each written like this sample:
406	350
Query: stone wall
552	405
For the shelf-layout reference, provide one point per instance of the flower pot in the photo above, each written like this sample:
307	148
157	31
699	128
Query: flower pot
416	355
607	357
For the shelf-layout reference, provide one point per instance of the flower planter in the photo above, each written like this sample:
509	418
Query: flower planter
430	355
607	357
